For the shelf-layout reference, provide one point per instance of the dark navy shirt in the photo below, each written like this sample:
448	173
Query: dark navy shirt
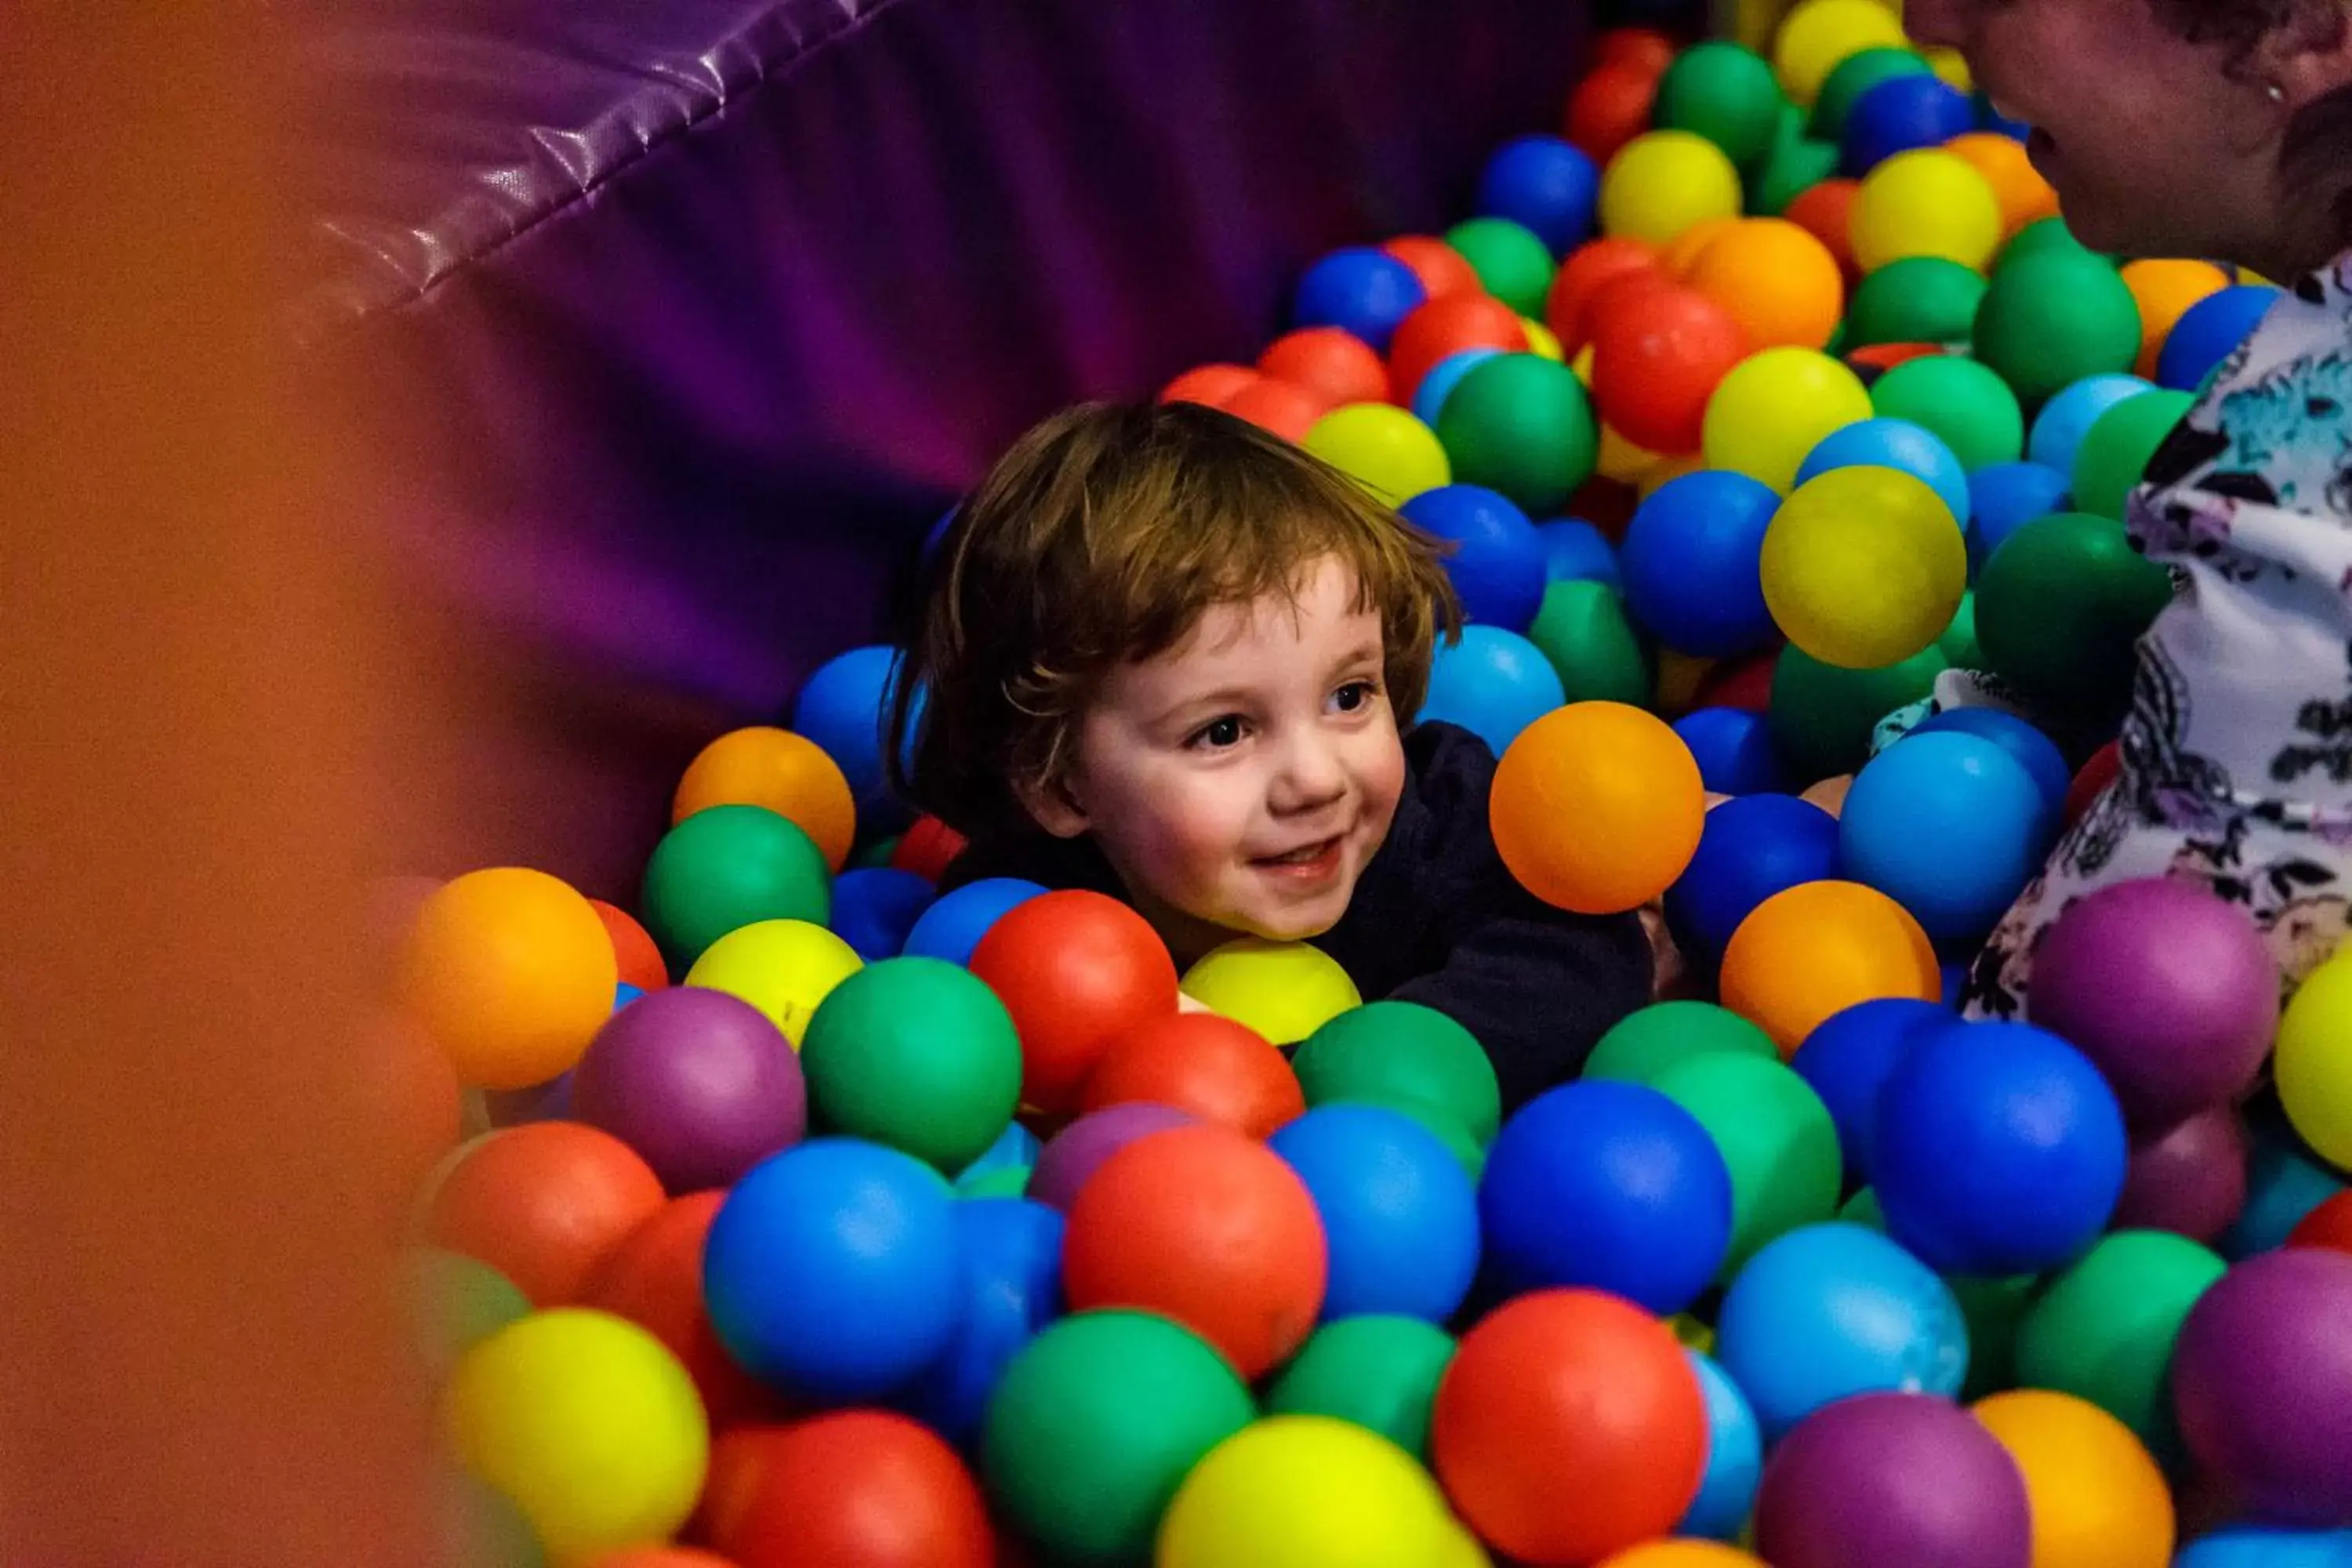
1435	919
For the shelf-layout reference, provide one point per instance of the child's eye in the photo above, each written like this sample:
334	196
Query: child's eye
1355	697
1217	734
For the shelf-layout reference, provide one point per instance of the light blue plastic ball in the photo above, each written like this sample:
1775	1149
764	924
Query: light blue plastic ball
844	708
1735	1457
1400	1216
1429	397
1894	444
1950	825
2262	1546
2058	430
953	924
1494	683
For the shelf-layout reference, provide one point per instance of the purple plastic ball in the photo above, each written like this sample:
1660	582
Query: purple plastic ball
2262	1380
2190	1181
2168	991
1077	1151
1886	1479
696	1081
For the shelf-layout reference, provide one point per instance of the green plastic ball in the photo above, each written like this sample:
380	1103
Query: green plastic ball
1640	1046
1004	1181
2043	237
2105	1328
1965	404
1856	74
1584	632
2051	319
1918	299
1385	1050
917	1053
480	1528
1822	715
457	1303
1522	425
1776	1138
2059	609
2115	449
1380	1373
723	869
1725	93
1096	1422
877	855
1959	643
1508	259
1796	163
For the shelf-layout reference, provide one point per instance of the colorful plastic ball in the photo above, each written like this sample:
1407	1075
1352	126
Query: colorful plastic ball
1587	275
654	1278
1627	783
2116	450
1013	1288
1776	1138
1440	266
1896	443
1391	1050
865	1487
917	1054
1818	35
634	947
2048	236
875	907
1723	92
1848	1059
789	774
1207	383
587	1424
1583	631
2003	498
661	1557
1493	683
1833	1310
457	1303
1663	182
1999	1150
2105	1329
1607	1185
1076	968
2190	1181
1903	113
1519	424
2262	1378
2207	331
1071	1157
1281	407
1577	551
1690	563
1658	356
928	849
783	967
2165	290
1643	1044
1609	108
2284	1183
1778	281
1892	1478
1220	1070
1512	263
1735	1458
2096	1498
1336	366
1818	949
510	973
2059	609
2328	1226
729	867
1774	407
953	924
1305	1491
543	1204
1823	715
1383	449
1864	567
1751	848
1544	184
698	1082
2314	1070
1919	299
1681	1554
843	708
2049	320
2262	1546
1733	748
1796	164
1399	1218
1925	202
1496	559
2059	430
1380	1372
1015	1148
833	1221
1360	291
1826	211
1950	825
1856	75
1429	399
2024	195
1284	991
1447	325
2028	747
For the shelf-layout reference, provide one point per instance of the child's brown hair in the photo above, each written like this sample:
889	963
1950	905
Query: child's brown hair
1102	537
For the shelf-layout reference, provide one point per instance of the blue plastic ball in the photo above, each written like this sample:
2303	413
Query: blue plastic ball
2004	497
1735	1457
1609	1185
1894	444
1830	1310
2058	430
1429	397
1544	183
1497	562
2264	1546
1950	825
1953	975
844	708
1015	1148
1733	748
2035	751
831	1221
1850	1056
2284	1182
1692	564
1576	551
1748	849
1012	1288
1361	290
1999	1150
954	925
1901	113
1991	118
1399	1213
873	907
1493	683
624	993
2206	333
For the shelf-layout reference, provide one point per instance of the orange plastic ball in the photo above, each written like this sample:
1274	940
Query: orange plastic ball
1610	107
1819	948
1208	1227
1683	254
633	948
544	1204
510	973
1683	1553
1597	808
1209	384
1221	1071
2023	195
1826	212
1569	1425
2096	1497
1567	306
1077	970
1442	270
1658	355
1330	362
928	849
2164	291
1437	328
654	1278
1283	408
859	1488
1778	280
789	774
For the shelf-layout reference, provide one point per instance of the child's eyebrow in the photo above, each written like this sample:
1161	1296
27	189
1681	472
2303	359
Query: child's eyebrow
1370	651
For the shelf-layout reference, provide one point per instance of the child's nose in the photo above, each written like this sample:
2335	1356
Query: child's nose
1310	774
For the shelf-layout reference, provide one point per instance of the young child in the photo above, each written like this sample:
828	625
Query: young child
1174	659
2223	129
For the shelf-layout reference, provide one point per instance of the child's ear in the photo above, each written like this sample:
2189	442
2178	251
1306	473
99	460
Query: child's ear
2304	57
1053	805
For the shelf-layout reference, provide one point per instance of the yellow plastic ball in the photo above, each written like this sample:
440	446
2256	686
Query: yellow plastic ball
1951	68
789	774
2025	196
2097	1499
1818	35
1597	808
1383	449
1308	1491
1663	182
1862	568
587	1424
784	968
1774	408
510	972
1692	1335
1925	202
1284	990
1621	460
1583	365
2313	1066
1542	342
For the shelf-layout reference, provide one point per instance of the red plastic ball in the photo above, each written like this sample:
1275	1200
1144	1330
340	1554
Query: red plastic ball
661	1557
1609	109
654	1278
1644	49
1206	1226
1437	328
1077	970
2330	1225
928	849
1567	309
1570	1426
2092	781
1221	1071
1877	359
1658	355
1334	364
1442	270
859	1488
1744	684
1826	211
639	959
1283	407
544	1204
1209	384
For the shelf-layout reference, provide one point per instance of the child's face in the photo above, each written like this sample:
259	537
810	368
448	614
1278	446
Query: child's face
1240	782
